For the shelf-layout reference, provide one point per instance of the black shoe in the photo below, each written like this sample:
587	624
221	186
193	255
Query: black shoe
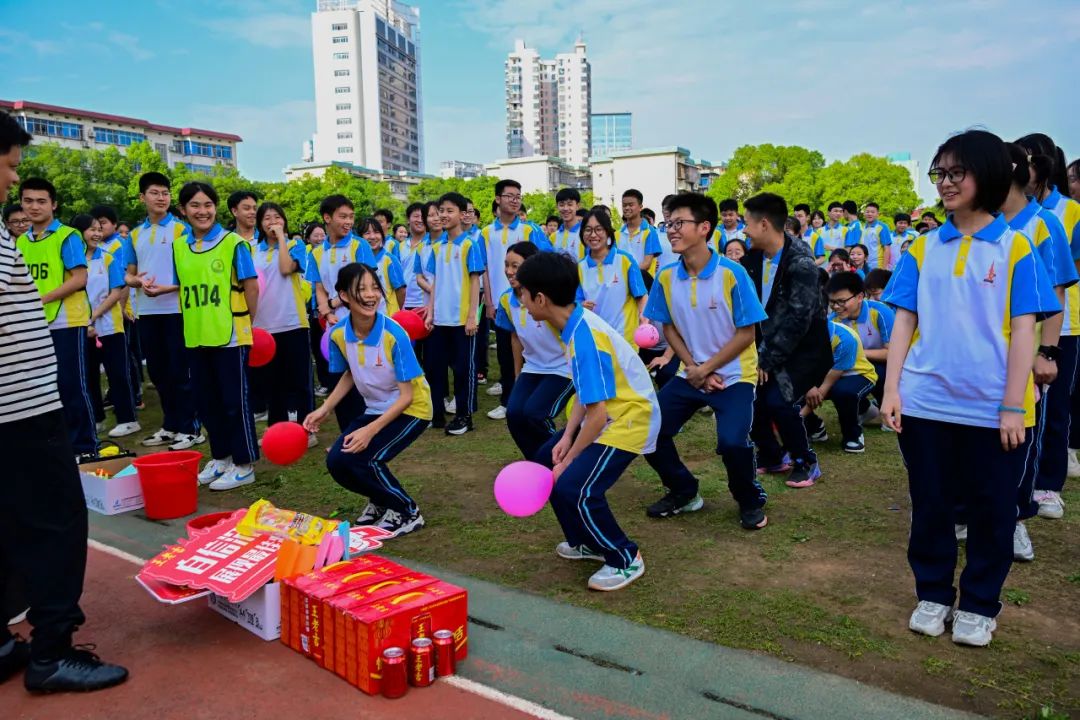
438	422
399	523
671	505
753	519
15	659
78	671
460	425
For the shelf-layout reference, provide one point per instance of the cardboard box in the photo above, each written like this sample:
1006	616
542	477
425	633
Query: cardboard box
371	628
259	614
116	494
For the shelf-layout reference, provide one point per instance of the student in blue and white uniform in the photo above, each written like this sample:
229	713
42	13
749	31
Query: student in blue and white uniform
872	320
409	250
853	228
849	380
567	239
610	279
391	276
877	239
960	393
637	237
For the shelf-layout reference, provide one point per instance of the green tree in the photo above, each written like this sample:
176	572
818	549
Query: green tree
788	170
865	178
541	205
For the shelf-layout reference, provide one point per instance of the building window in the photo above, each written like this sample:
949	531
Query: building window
341	73
200	168
52	128
344	106
341	90
339	26
340	39
161	149
344	136
341	56
123	138
201	149
344	121
345	149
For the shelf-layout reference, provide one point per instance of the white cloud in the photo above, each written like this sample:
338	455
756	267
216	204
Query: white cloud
274	30
130	45
273	132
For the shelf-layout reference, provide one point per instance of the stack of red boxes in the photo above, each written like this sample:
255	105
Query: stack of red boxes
345	615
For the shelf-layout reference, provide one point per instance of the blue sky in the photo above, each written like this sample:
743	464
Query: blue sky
841	76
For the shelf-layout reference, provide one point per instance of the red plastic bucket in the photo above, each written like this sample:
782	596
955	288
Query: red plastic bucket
204	521
170	484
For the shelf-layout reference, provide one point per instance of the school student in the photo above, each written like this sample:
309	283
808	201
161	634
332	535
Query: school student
56	257
903	230
409	249
877	239
385	219
567	237
455	265
282	312
853	228
637	237
148	255
875	282
615	418
610	279
243	206
730	228
16	219
1073	178
858	255
831	234
374	357
217	306
709	311
551	225
391	276
960	392
314	235
542	387
851	378
105	343
871	320
505	231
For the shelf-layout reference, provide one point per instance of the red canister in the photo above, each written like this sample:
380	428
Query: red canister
394	673
421	663
444	653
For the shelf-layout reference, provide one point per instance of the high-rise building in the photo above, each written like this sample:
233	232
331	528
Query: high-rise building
548	104
368	109
610	132
460	169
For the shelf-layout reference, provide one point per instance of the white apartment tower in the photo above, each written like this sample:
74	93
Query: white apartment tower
548	104
368	110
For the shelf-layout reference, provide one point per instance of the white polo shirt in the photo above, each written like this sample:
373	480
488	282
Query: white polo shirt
614	284
450	265
282	305
497	238
541	347
149	249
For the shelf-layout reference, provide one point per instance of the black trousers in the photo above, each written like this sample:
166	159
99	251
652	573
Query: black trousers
504	351
43	529
288	377
162	341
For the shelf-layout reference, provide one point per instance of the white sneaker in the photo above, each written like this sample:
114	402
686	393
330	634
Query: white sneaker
1051	505
161	437
238	475
99	427
495	389
261	417
498	413
18	618
929	618
397	524
125	429
312	440
569	552
972	629
961	532
371	515
1022	548
1073	469
321	391
607	578
186	442
450	406
213	470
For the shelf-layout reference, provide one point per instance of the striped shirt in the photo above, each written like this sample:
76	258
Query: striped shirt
27	358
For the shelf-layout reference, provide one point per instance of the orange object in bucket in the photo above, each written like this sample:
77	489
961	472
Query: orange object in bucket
170	484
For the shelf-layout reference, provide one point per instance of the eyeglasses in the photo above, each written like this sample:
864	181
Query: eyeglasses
839	303
676	225
510	198
593	230
956	175
158	194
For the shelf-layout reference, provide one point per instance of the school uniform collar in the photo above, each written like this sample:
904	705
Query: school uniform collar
1053	198
515	301
832	225
53	227
991	233
445	237
99	252
1024	216
160	223
343	242
808	233
512	226
609	260
381	254
641	228
215	234
576	317
264	246
575	229
112	238
706	272
372	338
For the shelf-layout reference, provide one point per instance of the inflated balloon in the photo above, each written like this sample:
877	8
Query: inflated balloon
522	488
413	324
324	344
284	443
646	336
262	348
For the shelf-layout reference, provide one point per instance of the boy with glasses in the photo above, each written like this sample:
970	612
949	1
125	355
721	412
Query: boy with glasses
870	319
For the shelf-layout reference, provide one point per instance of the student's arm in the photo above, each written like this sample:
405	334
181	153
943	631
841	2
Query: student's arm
293	260
519	353
474	303
74	283
879	355
698	374
359	439
1046	370
804	298
316	417
902	332
1017	371
74	259
595	419
114	296
251	294
489	301
815	396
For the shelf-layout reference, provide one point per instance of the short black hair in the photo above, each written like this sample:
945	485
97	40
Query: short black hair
929	213
553	218
665	201
37	183
350	276
568	194
734	241
702	207
1048	157
865	250
901	217
636	194
648	213
850	207
523	249
983	155
603	218
413	207
310	228
456	199
82	222
553	275
12	134
193	188
10	209
503	184
384	214
835	204
239	196
260	215
845	282
730	205
581	212
872	204
769	206
922	227
817	214
801	206
1021	174
150	179
840	253
332	203
105	211
877	279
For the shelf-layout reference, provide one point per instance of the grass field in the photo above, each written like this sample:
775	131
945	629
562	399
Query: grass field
826	584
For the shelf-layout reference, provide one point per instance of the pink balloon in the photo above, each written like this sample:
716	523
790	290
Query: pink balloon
324	344
646	336
522	488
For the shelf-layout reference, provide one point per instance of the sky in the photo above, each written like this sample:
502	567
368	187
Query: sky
839	76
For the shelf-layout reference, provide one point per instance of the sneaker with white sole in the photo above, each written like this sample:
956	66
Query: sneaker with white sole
1073	468
398	524
818	436
495	389
186	442
961	532
580	552
1022	547
312	440
125	429
370	515
1051	506
237	476
214	470
450	406
261	417
99	427
498	413
671	505
972	629
161	437
321	391
608	578
929	618
855	447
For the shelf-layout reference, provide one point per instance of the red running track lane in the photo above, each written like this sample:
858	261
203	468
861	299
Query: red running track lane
189	663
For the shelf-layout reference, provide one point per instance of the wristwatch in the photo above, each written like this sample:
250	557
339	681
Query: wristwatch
1050	352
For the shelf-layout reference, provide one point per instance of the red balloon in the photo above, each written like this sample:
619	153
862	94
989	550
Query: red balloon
413	324
262	348
284	443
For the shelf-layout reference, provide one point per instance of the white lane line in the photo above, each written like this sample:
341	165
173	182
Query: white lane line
511	701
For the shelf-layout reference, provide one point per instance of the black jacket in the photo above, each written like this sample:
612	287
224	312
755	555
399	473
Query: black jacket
793	343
